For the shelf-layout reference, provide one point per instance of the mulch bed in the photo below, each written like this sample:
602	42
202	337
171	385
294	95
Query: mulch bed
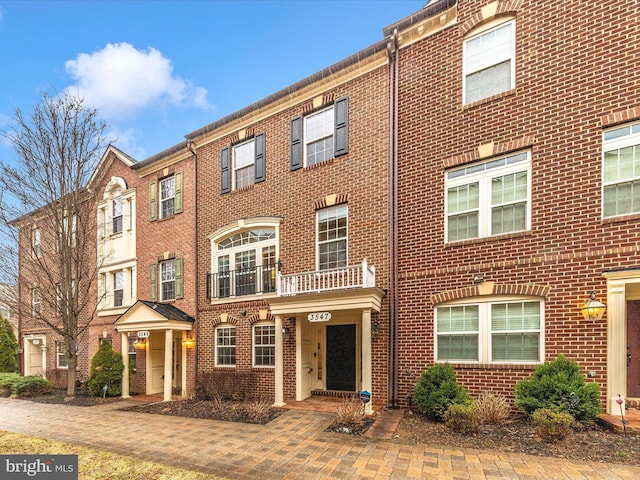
589	443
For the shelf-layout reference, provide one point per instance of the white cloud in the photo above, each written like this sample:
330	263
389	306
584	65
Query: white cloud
127	141
120	81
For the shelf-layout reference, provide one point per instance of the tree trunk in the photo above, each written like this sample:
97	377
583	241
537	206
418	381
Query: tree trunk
72	363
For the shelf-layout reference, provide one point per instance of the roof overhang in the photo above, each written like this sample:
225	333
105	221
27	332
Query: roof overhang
143	317
349	299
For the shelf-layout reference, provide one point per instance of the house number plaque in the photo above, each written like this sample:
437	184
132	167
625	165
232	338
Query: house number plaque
143	334
319	317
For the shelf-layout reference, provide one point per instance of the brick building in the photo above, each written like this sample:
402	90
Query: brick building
517	156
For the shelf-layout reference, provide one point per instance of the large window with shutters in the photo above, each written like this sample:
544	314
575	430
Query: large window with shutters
320	136
167	280
488	198
488	63
165	197
509	331
332	237
243	164
621	171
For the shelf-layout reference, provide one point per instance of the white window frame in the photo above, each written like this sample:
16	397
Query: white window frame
483	173
60	355
36	302
114	279
117	220
468	70
243	151
308	139
484	329
620	137
168	198
256	346
167	281
337	209
36	242
234	345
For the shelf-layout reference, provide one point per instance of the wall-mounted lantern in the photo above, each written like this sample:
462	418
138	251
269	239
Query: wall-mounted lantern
189	342
592	309
140	344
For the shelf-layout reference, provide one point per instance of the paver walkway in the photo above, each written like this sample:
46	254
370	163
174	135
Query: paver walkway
294	446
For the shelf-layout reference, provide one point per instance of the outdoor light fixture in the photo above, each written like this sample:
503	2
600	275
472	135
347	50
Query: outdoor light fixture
285	333
592	309
375	328
43	347
189	342
140	343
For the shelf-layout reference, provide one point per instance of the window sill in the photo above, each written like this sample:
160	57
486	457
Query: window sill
319	164
492	366
264	367
495	238
621	218
108	311
243	298
490	99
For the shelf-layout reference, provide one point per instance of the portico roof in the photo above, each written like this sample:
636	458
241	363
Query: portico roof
145	315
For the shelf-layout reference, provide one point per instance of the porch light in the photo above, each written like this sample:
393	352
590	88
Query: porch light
43	347
140	343
189	342
592	309
375	328
285	333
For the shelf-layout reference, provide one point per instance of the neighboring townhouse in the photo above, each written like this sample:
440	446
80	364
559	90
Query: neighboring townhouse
292	237
517	165
160	325
8	299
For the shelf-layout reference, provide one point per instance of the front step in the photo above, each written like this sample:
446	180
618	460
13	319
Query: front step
334	393
633	403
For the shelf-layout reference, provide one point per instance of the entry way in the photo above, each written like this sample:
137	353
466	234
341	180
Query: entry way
633	349
341	357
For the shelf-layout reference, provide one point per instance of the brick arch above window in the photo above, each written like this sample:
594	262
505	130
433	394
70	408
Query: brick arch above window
256	318
225	319
511	289
331	200
492	11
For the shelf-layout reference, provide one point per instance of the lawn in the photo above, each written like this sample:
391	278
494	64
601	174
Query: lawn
94	464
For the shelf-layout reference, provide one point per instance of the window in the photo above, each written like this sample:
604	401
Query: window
132	353
5	312
36	300
118	289
68	231
490	198
116	208
509	331
61	357
488	63
264	345
320	136
246	167
226	346
621	171
35	242
246	263
171	280
332	237
170	198
168	280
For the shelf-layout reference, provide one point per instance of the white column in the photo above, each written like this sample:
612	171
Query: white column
124	348
168	364
279	370
616	334
366	357
183	361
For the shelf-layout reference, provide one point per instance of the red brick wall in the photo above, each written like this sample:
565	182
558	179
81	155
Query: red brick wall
575	63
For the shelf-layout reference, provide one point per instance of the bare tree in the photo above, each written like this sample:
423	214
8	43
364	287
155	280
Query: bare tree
57	148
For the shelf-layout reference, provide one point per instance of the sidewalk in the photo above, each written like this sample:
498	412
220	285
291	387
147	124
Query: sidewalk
293	446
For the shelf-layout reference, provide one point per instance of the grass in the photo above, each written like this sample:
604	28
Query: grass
95	464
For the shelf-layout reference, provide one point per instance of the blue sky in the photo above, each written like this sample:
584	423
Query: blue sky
159	70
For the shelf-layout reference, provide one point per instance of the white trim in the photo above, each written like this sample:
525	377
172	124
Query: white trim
253	344
215	345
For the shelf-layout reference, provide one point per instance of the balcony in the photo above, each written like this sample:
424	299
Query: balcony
355	276
242	282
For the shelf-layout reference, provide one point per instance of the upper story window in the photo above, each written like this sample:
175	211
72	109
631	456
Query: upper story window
246	167
116	217
68	231
35	243
118	289
489	198
489	63
264	345
171	280
621	171
245	263
166	197
332	237
168	280
320	136
36	300
225	346
501	331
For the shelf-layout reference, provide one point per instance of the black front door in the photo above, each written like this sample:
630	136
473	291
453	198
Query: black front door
341	357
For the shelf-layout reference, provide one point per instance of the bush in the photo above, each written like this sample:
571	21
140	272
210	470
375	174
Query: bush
550	426
8	347
106	369
491	408
225	385
258	410
6	382
462	418
350	413
560	387
31	386
437	390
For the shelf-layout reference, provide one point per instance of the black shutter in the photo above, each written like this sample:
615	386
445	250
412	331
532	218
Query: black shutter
296	144
261	173
225	171
341	137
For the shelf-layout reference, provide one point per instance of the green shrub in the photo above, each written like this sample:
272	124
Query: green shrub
550	426
491	408
437	389
31	386
6	382
462	418
107	368
559	386
8	347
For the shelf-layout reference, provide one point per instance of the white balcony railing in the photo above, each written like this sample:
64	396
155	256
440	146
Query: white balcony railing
354	276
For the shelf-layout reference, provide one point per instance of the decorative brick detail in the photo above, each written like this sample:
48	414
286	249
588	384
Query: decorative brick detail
621	116
499	148
340	199
530	290
219	320
504	9
256	318
307	107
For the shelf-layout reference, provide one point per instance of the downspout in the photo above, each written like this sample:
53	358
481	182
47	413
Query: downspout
192	148
393	55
